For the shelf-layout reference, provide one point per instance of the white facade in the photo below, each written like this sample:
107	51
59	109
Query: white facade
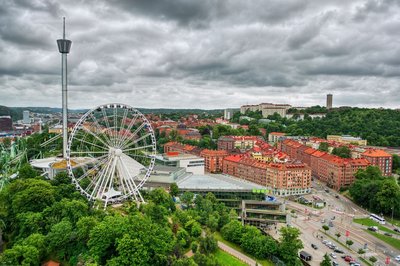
228	114
193	165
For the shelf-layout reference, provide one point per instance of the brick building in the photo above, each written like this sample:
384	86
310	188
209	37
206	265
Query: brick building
381	159
335	171
213	160
5	123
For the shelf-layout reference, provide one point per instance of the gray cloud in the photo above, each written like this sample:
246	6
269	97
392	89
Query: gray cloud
201	54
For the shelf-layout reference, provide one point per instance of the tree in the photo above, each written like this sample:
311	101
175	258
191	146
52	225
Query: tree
26	171
173	190
233	231
396	163
325	227
337	235
208	244
373	259
289	245
349	242
187	198
361	251
323	146
326	261
343	152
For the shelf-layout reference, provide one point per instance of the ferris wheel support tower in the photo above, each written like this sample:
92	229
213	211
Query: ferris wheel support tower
64	47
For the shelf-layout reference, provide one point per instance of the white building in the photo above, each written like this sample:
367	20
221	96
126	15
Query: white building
192	163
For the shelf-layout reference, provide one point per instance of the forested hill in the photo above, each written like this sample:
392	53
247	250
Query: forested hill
16	112
380	127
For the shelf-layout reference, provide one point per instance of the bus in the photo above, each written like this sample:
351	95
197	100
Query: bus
377	218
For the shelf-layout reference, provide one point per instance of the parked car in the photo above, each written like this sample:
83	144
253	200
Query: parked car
314	246
339	251
397	258
387	234
348	258
354	263
397	230
325	242
333	255
334	263
373	228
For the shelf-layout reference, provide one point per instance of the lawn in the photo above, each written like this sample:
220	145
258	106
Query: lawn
226	259
369	222
387	239
218	236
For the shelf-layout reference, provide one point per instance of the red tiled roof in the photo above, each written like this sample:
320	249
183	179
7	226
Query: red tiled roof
234	158
310	151
376	153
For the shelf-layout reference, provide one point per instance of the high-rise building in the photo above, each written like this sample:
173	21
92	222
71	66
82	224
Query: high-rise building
228	114
329	98
25	117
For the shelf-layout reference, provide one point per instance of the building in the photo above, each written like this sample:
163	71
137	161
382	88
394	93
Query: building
329	99
25	118
274	137
335	171
226	143
286	179
230	143
379	158
228	114
181	148
191	163
6	123
346	139
272	110
226	189
213	160
262	214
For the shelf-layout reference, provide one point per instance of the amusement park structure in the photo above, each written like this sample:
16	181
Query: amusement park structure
11	159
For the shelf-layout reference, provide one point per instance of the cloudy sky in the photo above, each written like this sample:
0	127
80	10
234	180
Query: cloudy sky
202	54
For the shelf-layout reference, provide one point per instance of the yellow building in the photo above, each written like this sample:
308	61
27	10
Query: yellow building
347	139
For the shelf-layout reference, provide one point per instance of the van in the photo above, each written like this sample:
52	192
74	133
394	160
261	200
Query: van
305	256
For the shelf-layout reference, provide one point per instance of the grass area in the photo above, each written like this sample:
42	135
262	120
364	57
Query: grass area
226	259
387	239
365	261
218	236
369	222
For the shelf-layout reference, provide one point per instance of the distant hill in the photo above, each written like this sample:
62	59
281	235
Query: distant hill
16	112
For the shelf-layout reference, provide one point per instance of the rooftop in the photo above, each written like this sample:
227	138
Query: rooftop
216	182
376	153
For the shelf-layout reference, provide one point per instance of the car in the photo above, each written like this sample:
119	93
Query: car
327	190
334	263
339	251
397	230
324	242
373	228
387	234
348	258
333	255
354	263
397	258
314	246
337	196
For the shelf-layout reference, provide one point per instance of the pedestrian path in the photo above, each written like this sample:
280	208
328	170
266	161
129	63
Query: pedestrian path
236	254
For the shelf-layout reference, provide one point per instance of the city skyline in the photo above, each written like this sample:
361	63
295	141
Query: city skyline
204	55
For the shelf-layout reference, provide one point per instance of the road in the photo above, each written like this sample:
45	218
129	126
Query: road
343	210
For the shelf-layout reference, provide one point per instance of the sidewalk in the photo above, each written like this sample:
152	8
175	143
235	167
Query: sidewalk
236	254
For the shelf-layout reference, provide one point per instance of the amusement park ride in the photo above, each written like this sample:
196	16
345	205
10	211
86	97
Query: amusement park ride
110	152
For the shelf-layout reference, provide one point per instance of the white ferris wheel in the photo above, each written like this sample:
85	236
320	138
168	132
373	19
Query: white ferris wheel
111	153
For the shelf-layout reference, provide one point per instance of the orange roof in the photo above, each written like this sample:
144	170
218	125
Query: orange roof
234	158
51	263
376	153
310	151
208	152
318	153
277	133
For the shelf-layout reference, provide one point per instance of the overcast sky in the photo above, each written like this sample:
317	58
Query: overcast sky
202	53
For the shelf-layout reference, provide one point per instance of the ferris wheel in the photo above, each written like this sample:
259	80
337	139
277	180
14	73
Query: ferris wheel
111	153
